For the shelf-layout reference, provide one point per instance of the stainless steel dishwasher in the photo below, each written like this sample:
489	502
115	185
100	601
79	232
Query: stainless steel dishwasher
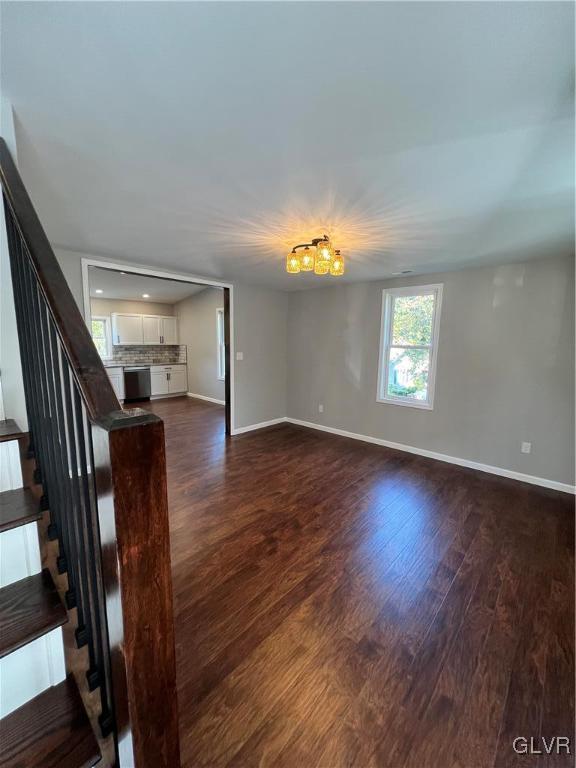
136	383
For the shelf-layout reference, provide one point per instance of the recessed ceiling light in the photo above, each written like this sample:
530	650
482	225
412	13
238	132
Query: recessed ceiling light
122	273
98	290
145	295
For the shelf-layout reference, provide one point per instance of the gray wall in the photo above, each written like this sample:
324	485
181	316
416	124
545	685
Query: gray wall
197	329
12	386
505	363
260	320
505	366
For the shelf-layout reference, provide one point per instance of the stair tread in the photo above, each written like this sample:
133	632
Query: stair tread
50	731
29	608
9	430
18	507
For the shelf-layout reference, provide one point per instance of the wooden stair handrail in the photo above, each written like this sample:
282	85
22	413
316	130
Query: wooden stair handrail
87	367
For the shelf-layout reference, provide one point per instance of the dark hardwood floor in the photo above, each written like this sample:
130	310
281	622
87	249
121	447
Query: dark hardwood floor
342	604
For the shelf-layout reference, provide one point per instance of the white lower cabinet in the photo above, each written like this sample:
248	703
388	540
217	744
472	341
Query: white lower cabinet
116	376
158	383
168	379
164	380
178	381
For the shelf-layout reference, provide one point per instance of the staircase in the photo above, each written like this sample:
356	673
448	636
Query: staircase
94	486
30	608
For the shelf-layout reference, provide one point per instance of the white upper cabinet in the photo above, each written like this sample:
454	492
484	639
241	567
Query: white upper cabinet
169	330
127	329
144	329
160	330
152	329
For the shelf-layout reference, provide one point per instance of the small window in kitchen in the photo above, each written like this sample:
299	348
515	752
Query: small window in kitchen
101	336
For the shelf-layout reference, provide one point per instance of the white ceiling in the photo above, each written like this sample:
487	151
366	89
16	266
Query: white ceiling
209	137
126	285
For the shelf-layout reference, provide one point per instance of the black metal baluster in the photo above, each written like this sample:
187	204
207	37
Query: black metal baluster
38	373
75	564
58	478
87	529
31	357
54	481
69	389
15	268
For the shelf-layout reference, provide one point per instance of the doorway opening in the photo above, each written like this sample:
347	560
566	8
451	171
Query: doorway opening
163	338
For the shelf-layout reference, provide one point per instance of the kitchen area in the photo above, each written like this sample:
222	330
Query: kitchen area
147	359
143	329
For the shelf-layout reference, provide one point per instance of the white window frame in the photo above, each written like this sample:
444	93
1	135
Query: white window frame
388	296
220	345
108	326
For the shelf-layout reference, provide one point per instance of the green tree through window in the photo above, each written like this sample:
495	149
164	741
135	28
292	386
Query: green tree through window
407	354
100	336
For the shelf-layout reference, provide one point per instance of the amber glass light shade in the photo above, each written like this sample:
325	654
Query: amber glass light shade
324	256
293	263
324	251
321	267
337	265
306	260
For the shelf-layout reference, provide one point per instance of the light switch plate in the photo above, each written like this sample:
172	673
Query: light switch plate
526	447
239	355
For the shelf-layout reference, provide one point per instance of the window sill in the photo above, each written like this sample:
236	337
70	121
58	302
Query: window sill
220	378
405	403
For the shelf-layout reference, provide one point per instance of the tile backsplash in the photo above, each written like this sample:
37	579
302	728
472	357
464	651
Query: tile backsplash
149	354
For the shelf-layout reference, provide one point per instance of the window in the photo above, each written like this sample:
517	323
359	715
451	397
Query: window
101	336
221	345
408	345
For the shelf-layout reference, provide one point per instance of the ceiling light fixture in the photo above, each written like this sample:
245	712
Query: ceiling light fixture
318	256
98	290
145	295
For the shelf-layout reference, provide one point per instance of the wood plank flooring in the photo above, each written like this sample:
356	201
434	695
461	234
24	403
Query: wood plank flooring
342	604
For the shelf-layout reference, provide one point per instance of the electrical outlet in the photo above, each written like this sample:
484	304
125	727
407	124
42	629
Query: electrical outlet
239	355
321	408
526	447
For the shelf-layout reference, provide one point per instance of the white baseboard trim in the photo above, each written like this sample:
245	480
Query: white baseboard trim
553	484
209	399
261	425
164	397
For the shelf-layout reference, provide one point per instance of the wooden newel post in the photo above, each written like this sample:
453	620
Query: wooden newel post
130	466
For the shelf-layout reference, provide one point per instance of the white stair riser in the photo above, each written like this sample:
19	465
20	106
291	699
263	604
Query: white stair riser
32	669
